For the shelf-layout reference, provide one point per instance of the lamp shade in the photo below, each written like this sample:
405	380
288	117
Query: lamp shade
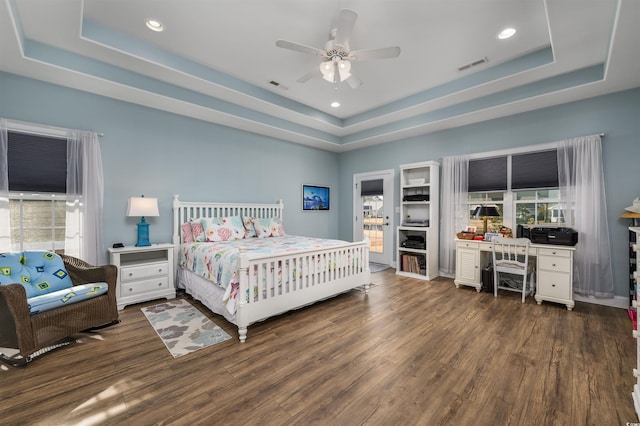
484	211
142	206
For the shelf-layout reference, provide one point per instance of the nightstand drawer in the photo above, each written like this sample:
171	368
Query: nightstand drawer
555	285
130	273
144	286
557	264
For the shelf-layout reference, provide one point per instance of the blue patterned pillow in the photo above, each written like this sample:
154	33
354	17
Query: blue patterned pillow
39	272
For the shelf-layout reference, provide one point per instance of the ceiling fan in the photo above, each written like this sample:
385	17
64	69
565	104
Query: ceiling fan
336	56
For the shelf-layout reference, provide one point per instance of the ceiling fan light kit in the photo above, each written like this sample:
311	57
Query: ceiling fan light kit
328	70
336	64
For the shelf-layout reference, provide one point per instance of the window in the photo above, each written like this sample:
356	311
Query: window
524	187
538	207
37	222
486	199
488	174
372	216
535	170
37	170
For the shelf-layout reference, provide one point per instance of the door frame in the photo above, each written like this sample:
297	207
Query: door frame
387	177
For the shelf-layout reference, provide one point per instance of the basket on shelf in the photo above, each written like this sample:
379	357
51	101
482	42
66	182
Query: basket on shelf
465	235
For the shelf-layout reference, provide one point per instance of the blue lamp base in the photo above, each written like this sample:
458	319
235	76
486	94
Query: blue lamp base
143	234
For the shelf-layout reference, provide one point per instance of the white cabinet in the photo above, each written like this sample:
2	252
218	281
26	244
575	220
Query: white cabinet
468	264
418	235
555	276
144	273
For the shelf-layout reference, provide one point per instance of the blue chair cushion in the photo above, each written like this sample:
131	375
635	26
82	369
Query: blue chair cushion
39	272
65	296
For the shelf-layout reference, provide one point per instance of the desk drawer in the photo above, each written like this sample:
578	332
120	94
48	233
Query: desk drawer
553	252
130	273
557	264
470	245
144	286
555	285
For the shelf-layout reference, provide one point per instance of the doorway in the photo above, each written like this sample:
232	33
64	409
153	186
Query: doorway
373	213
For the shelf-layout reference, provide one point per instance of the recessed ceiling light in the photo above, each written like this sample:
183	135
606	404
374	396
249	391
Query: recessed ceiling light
506	33
154	25
335	104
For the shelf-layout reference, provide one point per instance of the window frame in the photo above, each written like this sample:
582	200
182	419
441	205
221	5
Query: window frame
19	242
509	202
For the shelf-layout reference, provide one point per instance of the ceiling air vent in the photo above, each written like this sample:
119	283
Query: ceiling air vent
474	63
278	85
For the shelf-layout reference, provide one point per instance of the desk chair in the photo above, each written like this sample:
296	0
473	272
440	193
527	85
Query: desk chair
511	256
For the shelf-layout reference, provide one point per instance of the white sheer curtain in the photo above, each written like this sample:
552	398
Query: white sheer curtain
85	189
455	184
582	187
5	235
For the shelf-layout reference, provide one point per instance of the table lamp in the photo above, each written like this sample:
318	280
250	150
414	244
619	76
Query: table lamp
141	206
485	212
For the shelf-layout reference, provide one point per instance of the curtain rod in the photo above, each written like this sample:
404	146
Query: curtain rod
521	149
41	129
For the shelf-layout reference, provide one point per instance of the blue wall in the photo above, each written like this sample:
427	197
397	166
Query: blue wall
158	154
151	152
616	115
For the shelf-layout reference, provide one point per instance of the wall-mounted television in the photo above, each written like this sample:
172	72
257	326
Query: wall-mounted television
315	197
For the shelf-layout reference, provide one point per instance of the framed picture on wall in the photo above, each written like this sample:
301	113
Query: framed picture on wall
315	197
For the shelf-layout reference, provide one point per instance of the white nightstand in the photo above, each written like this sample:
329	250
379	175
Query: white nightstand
144	273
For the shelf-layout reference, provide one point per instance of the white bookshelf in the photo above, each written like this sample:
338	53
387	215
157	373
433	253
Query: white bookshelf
419	220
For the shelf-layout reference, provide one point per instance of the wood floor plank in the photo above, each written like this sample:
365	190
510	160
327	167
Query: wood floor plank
409	352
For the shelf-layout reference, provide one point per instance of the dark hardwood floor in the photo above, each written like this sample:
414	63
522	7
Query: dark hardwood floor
411	352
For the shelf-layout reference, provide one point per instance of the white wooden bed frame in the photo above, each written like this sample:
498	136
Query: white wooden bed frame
327	278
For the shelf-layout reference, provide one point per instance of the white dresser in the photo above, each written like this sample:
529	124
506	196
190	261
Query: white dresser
554	269
144	273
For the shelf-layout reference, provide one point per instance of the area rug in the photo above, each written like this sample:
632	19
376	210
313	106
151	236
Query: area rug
377	267
183	328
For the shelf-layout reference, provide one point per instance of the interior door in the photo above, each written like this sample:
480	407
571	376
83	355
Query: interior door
373	213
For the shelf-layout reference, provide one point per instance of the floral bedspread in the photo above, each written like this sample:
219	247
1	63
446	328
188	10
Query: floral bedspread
218	261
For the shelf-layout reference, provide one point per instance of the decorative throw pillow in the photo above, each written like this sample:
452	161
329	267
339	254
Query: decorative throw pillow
268	227
187	233
249	230
229	228
39	272
197	230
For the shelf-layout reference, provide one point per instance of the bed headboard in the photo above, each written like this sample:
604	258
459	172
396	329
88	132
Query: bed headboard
183	211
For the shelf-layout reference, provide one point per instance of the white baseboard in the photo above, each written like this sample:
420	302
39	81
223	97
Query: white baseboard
615	302
621	302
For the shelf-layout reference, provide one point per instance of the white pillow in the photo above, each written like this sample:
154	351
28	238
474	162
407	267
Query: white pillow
225	229
268	227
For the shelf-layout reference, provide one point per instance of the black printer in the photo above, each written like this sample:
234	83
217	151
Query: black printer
557	236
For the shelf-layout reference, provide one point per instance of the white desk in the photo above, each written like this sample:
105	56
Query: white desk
554	269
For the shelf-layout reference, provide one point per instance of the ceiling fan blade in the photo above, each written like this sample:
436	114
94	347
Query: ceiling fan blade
302	48
354	82
315	72
381	53
346	22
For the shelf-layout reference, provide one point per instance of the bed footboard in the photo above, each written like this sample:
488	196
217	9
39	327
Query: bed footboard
273	285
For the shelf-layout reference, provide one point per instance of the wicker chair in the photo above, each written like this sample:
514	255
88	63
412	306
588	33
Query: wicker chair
32	335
